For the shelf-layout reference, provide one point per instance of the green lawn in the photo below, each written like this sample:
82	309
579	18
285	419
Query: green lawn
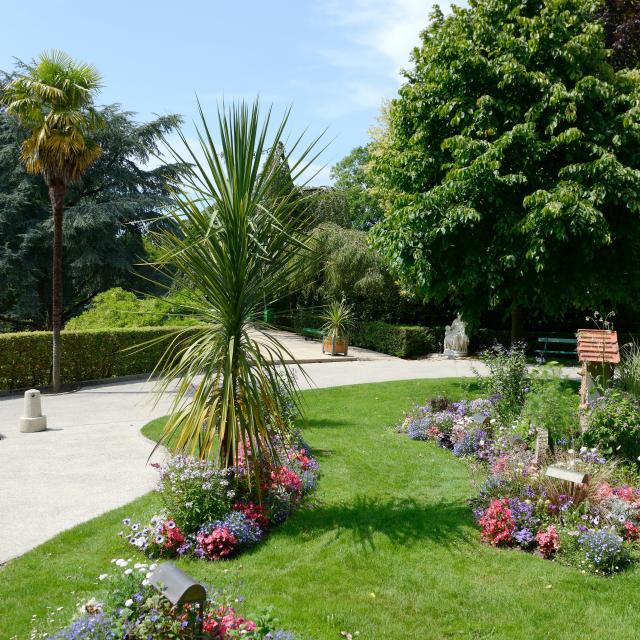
391	550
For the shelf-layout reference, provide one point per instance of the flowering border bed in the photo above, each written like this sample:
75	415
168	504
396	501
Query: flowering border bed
594	526
127	606
214	514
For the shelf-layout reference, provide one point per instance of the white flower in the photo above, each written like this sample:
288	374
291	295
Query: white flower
102	576
583	449
128	572
145	583
153	567
570	451
128	603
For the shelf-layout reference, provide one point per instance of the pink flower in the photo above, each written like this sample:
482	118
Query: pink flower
218	624
548	541
500	465
217	544
604	490
625	493
497	523
631	532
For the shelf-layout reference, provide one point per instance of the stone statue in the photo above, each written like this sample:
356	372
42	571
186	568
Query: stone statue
456	341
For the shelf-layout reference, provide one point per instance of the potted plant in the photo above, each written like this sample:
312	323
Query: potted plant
338	318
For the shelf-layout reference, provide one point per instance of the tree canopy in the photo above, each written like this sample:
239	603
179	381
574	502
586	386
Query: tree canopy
353	183
510	165
108	213
622	30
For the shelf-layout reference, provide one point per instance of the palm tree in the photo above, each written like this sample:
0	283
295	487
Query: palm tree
53	99
234	247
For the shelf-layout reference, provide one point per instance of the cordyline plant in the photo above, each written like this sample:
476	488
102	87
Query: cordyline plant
236	244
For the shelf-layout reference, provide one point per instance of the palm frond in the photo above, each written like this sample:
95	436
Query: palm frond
234	248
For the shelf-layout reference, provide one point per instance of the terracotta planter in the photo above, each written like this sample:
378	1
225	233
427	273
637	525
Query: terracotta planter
335	347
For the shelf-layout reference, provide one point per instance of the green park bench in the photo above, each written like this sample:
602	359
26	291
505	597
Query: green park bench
311	334
558	343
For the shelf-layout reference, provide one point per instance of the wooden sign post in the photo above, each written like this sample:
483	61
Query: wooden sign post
598	352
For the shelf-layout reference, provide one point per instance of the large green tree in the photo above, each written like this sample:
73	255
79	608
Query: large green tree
108	215
510	164
352	183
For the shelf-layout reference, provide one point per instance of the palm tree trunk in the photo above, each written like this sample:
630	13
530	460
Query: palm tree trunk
56	195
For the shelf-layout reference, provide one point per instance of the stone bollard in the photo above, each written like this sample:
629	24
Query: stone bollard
33	420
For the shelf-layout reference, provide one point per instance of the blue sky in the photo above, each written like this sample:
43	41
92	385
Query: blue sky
334	61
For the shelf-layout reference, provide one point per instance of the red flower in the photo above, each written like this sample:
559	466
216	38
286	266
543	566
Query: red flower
255	512
173	537
287	478
497	523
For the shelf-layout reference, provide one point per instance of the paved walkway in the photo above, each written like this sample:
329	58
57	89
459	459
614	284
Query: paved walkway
93	458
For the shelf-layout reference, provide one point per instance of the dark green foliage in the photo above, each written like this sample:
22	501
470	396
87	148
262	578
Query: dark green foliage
622	30
614	425
107	216
511	163
25	358
353	183
397	340
349	268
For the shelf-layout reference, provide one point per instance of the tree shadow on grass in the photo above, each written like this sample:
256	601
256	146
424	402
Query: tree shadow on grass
402	521
319	423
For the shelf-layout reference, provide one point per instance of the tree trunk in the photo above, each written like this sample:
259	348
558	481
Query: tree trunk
517	324
56	195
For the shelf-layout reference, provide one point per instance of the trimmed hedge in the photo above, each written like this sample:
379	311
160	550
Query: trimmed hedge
25	358
397	340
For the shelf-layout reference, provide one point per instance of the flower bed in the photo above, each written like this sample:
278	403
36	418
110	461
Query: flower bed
128	607
594	526
214	514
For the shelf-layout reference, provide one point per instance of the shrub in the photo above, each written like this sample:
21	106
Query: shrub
552	404
195	491
613	425
117	308
397	340
506	381
25	358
